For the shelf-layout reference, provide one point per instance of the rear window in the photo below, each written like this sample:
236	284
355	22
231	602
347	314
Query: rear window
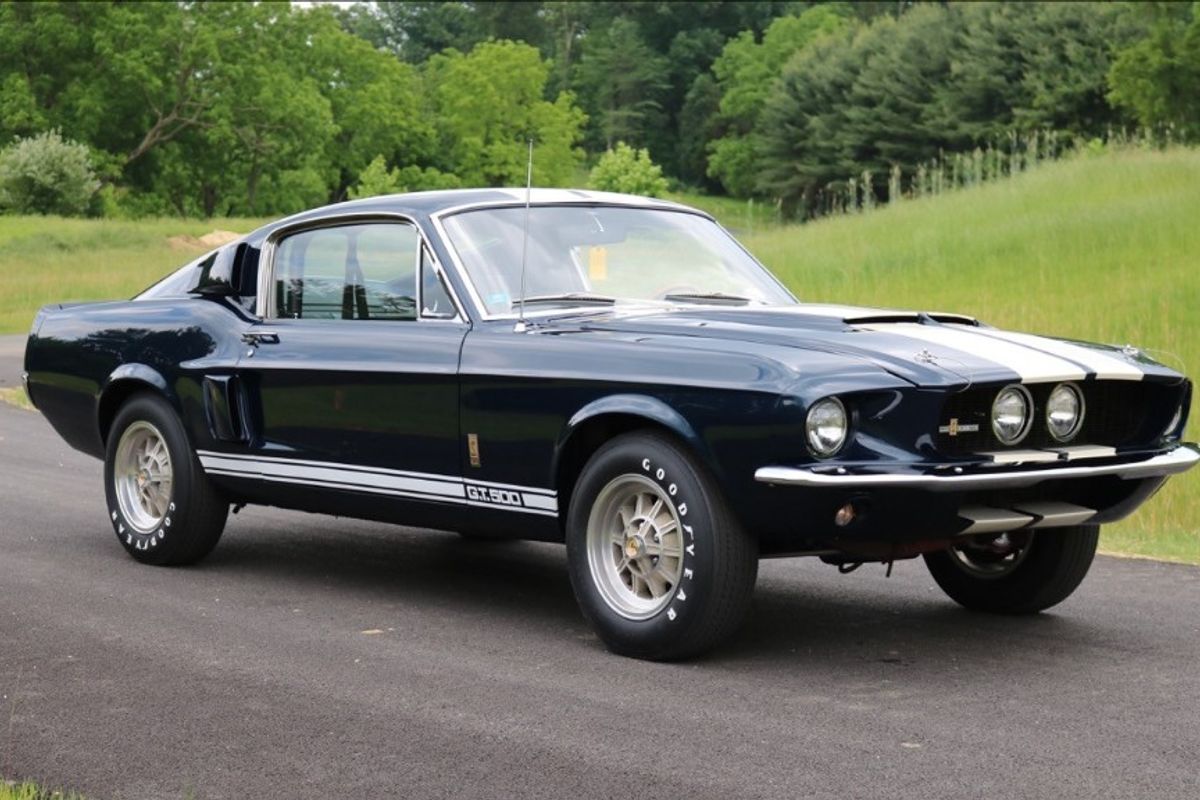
181	281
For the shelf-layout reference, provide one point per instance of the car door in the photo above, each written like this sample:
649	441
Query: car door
351	376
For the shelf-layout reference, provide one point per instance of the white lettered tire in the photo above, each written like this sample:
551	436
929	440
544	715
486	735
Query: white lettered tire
659	566
160	503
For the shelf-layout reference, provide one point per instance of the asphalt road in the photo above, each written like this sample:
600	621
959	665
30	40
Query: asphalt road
12	357
315	657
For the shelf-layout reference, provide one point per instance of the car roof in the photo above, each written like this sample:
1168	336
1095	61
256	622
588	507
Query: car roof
440	201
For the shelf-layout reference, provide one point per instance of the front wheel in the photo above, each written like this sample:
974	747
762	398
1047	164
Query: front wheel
659	566
161	505
1016	573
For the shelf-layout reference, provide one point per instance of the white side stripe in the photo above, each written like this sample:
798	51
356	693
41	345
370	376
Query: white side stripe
377	480
335	475
1105	366
1031	365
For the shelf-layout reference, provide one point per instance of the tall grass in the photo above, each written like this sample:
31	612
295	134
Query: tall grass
30	791
51	259
1104	248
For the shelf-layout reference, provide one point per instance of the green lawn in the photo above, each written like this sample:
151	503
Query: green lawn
1105	248
50	259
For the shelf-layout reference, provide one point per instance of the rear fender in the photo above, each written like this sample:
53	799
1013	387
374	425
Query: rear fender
124	381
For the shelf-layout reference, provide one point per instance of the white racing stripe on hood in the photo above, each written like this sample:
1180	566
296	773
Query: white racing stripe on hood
1105	366
1030	364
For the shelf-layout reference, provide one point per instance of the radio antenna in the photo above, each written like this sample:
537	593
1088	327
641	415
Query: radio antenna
525	239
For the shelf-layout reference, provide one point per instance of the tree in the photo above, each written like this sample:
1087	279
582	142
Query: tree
1157	77
624	81
624	169
695	130
46	174
744	72
487	105
377	102
1066	54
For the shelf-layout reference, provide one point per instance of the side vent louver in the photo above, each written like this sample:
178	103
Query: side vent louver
223	409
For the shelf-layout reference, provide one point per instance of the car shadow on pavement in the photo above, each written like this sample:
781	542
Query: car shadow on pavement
801	612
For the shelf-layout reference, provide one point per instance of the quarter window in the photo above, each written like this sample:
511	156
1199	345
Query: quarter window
366	271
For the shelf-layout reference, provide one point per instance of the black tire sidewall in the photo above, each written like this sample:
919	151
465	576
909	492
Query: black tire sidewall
1056	564
168	541
661	635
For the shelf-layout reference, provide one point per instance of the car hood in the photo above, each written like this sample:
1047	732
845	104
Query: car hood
923	348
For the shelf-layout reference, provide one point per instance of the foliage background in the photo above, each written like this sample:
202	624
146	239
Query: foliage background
203	109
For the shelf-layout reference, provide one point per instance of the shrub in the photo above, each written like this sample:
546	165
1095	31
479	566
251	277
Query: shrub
624	169
46	174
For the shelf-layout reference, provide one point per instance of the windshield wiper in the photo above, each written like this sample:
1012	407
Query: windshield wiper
716	298
571	298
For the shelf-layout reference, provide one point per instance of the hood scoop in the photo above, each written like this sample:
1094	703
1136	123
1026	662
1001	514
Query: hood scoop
920	317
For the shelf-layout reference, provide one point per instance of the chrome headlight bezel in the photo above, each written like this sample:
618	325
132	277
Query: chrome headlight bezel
1080	411
1017	390
818	445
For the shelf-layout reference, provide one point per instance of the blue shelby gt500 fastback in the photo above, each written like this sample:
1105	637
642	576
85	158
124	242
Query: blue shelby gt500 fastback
611	372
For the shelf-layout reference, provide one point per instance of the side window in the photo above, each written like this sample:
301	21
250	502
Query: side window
366	271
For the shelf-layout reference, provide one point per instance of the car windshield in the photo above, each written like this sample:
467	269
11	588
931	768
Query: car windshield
589	256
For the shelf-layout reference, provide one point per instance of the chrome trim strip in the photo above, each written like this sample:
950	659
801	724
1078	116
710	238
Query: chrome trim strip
1180	459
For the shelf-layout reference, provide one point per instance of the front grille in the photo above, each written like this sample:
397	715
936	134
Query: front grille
1116	413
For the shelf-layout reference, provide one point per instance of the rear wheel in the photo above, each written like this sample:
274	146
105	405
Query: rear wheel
162	506
659	566
1016	573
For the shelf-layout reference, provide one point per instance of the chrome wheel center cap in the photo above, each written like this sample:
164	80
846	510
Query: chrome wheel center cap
634	546
143	477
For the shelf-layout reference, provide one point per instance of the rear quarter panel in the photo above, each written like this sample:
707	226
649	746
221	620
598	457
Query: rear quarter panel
79	352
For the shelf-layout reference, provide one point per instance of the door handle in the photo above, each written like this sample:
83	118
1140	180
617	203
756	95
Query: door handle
260	337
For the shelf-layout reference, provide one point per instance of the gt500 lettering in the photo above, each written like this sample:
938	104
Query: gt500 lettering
489	494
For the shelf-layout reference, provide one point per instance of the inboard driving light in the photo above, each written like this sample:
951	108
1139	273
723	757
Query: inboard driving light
1064	412
1010	414
826	427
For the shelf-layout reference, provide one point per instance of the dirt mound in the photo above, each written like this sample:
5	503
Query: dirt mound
205	242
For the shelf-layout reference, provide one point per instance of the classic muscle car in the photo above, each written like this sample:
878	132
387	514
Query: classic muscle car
611	372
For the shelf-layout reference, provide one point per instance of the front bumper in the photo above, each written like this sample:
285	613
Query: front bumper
959	478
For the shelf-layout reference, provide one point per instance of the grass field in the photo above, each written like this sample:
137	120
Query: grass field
1105	248
49	259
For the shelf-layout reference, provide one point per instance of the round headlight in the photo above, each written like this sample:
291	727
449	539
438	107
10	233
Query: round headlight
1010	414
1064	412
826	427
